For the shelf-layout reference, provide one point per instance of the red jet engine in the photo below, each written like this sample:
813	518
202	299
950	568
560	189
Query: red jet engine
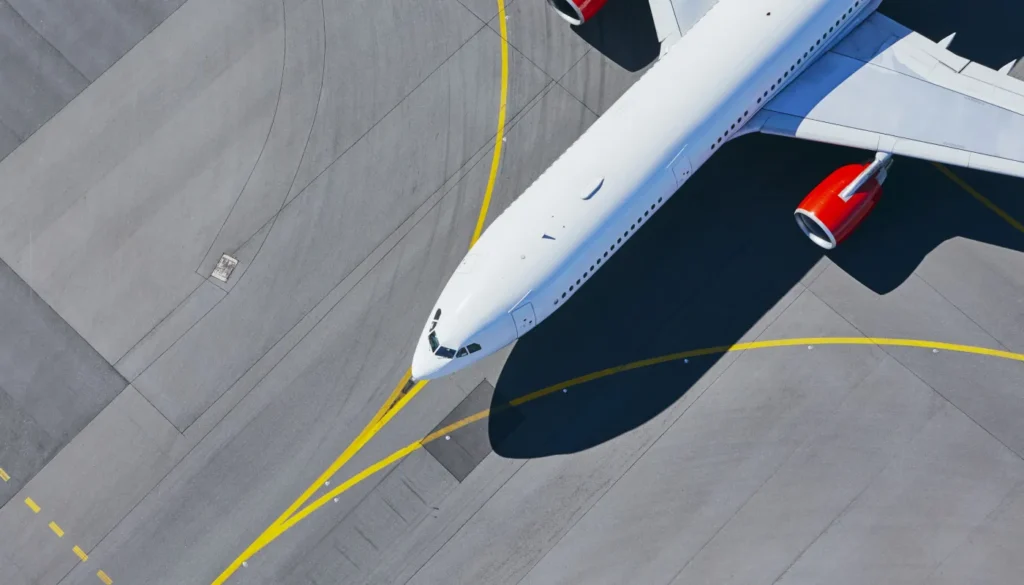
836	207
576	11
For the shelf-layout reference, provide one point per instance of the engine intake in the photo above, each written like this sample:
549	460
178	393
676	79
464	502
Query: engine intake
576	12
830	213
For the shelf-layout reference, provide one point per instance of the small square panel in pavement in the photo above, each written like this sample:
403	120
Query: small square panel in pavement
463	449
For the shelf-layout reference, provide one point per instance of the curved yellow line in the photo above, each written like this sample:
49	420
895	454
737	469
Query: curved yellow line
395	403
722	349
499	137
397	400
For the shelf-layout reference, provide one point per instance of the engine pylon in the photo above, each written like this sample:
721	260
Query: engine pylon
831	212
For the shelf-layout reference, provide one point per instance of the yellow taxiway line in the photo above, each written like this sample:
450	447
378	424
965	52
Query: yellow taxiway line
405	390
555	388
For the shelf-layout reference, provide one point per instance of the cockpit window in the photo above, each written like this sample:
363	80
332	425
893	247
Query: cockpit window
432	338
473	347
445	352
437	315
462	353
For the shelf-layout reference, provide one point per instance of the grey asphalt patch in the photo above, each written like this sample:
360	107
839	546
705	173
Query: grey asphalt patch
52	383
93	34
341	218
770	439
460	451
38	80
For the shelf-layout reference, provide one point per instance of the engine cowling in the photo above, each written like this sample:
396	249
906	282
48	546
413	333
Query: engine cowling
830	213
577	12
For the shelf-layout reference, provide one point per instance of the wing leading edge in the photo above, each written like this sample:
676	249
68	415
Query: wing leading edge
886	88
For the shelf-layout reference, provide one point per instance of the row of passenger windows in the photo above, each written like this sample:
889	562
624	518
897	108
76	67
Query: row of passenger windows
610	250
785	74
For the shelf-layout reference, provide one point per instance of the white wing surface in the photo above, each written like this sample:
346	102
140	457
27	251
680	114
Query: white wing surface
673	18
887	88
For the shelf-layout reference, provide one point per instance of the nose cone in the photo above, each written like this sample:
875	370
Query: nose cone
426	365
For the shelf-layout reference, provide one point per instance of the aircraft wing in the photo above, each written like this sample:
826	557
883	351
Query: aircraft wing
673	18
887	88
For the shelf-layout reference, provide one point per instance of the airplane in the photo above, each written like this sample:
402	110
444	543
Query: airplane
829	71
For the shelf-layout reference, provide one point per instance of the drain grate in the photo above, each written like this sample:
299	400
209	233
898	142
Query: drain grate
225	266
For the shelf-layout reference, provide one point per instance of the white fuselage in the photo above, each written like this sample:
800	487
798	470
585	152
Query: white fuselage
559	232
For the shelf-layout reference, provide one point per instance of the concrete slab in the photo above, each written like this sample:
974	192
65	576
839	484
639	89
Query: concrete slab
355	546
854	444
958	268
52	383
111	464
38	80
272	176
422	36
8	140
208	78
734	445
325	234
92	35
181	319
325	388
918	511
989	554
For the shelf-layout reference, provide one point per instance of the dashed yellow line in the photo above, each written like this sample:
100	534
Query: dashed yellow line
103	577
984	200
56	530
4	476
81	553
32	505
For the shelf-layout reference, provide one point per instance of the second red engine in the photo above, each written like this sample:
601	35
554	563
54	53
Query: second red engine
831	212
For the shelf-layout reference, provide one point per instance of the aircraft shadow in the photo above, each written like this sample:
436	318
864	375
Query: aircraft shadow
715	260
624	32
725	250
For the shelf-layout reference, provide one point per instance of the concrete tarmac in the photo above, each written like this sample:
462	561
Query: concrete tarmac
340	151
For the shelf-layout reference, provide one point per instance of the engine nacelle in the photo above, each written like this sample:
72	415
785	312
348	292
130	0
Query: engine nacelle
576	11
831	212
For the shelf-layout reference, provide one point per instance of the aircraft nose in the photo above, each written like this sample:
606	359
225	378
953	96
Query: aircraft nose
424	364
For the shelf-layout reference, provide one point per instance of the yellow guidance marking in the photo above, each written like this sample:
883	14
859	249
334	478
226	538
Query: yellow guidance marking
499	138
81	553
984	200
4	476
384	415
554	388
397	400
56	530
103	577
32	505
